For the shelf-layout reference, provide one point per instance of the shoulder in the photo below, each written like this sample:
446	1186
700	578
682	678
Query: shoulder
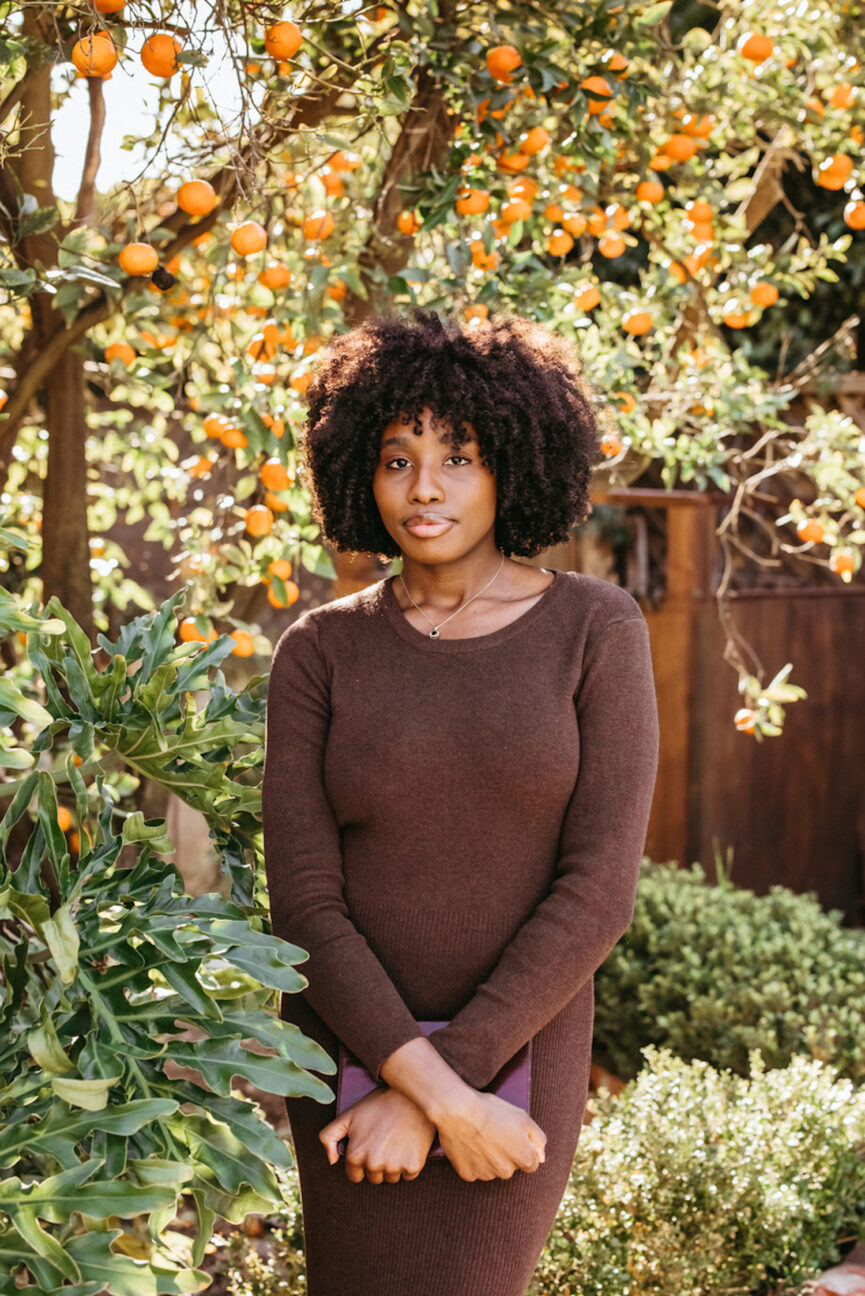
328	625
598	603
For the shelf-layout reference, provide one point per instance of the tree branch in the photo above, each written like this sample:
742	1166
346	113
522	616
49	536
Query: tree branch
84	207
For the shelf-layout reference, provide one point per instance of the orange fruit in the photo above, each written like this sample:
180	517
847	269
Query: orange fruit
259	520
610	245
854	215
280	567
243	644
292	593
637	322
587	297
756	47
559	243
159	54
516	209
810	531
598	85
64	819
215	425
120	351
283	40
501	61
75	842
408	222
611	446
108	6
234	438
318	224
843	562
196	197
627	401
95	56
300	381
201	467
274	276
736	319
249	238
534	140
274	475
699	210
650	191
681	148
833	171
843	96
471	202
138	259
745	720
764	294
189	634
575	224
859	496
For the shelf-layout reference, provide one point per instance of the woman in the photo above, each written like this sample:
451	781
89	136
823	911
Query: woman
459	768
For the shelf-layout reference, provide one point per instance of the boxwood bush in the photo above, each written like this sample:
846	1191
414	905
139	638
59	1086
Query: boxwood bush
713	970
695	1181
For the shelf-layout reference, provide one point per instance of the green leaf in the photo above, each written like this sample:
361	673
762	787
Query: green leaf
43	1243
61	935
12	699
46	1049
220	1060
90	1094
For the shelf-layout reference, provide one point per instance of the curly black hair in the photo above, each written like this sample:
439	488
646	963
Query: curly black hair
522	387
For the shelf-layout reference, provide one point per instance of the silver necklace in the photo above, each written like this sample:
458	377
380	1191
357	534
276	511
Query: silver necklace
434	633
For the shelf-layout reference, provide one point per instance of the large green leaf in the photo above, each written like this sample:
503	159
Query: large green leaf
220	1060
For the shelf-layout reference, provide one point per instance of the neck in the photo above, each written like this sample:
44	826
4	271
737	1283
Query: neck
447	585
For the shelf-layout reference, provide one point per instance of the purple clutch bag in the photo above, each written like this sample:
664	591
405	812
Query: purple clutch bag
353	1081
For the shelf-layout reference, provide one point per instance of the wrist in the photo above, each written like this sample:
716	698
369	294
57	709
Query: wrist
419	1071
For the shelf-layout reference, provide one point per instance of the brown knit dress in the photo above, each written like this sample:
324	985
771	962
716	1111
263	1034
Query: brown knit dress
453	829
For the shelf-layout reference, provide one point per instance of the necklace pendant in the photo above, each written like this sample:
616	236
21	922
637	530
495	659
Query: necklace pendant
434	634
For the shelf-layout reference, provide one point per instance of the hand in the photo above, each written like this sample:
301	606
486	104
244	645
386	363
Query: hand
388	1137
485	1137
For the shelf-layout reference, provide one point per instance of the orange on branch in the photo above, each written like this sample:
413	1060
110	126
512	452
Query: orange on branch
472	202
274	475
501	61
534	140
249	238
611	245
292	595
159	54
196	197
274	276
120	351
408	222
859	496
259	520
650	191
243	643
745	720
64	819
575	224
189	632
810	531
764	293
756	47
275	503
587	298
233	438
138	259
318	224
201	467
516	209
283	40
843	562
637	322
854	215
95	56
559	243
681	148
108	6
280	567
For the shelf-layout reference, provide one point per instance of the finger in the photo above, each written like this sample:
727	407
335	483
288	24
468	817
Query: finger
393	1178
374	1176
330	1137
354	1171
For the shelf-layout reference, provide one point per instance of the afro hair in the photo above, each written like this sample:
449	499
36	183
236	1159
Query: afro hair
519	385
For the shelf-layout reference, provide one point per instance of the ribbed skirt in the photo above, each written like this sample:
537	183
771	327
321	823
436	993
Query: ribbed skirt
438	1235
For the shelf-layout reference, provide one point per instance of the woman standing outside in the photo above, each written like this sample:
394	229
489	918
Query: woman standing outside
459	768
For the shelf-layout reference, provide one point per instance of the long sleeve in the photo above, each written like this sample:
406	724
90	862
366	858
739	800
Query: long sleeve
347	985
590	904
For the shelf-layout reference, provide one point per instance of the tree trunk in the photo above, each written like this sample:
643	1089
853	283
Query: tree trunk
65	539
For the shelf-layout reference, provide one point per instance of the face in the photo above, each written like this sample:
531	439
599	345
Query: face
436	500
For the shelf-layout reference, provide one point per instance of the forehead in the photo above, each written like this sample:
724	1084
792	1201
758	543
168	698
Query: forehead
405	428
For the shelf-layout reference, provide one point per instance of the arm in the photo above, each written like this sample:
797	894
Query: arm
347	985
591	901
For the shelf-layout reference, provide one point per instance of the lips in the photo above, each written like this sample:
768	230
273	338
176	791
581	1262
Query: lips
427	525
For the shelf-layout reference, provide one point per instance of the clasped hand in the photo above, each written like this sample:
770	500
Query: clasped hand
389	1138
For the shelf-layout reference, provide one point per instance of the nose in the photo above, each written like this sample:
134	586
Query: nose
426	486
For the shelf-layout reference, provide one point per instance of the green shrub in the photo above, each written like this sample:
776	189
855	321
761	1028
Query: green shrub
712	971
110	973
694	1182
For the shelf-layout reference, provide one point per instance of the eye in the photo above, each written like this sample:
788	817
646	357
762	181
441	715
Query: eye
462	457
397	462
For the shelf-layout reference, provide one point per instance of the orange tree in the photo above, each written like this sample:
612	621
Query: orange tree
620	172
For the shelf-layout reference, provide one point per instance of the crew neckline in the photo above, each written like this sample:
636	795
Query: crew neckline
473	643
